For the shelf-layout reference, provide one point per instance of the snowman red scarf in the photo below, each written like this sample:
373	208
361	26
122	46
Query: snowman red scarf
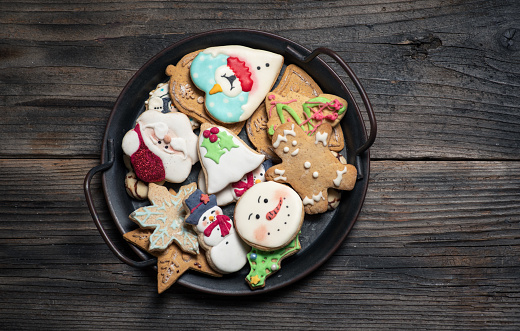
220	220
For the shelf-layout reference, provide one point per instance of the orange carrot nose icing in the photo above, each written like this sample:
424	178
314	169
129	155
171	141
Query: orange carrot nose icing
272	214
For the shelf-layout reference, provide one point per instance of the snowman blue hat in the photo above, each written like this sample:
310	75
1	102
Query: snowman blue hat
198	203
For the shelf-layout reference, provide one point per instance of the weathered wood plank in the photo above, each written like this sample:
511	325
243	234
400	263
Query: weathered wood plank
436	246
442	80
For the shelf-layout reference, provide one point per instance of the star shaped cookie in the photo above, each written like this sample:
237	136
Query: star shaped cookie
172	262
309	166
166	217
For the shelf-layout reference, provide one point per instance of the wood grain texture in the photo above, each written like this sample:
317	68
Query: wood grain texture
440	79
436	246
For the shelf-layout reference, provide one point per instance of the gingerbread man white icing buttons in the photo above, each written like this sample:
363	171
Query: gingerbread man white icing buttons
313	169
269	215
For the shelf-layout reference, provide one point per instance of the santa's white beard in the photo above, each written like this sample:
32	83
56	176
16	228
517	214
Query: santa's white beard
177	167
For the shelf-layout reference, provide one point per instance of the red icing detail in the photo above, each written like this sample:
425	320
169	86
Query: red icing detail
241	187
272	214
223	221
147	166
242	72
214	130
213	138
204	198
206	133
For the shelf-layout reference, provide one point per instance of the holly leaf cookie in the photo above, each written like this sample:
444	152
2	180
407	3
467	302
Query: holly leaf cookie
166	217
309	166
172	263
265	263
186	97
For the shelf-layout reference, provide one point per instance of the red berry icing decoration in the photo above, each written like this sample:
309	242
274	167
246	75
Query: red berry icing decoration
213	138
214	130
206	133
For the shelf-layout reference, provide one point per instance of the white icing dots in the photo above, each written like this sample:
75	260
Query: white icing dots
295	152
315	174
286	149
307	164
294	143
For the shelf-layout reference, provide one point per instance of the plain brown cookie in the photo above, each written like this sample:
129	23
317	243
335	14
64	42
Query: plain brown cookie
187	98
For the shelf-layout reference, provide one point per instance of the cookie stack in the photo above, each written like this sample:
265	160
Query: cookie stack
288	163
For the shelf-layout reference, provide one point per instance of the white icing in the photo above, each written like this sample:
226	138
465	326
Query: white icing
339	176
321	137
295	152
230	255
307	164
315	174
280	174
271	200
315	197
263	79
290	132
286	149
177	162
294	143
279	139
232	166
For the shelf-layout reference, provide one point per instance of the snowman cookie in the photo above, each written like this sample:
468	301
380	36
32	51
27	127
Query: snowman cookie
309	166
225	251
161	147
269	215
235	78
224	157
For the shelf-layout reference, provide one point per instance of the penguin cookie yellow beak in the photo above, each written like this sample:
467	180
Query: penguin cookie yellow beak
215	89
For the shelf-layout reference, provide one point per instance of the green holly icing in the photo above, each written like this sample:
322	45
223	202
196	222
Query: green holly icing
214	150
225	140
268	262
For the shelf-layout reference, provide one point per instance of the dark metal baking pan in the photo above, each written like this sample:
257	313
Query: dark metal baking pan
321	235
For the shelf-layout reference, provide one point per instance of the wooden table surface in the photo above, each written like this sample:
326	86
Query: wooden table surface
437	243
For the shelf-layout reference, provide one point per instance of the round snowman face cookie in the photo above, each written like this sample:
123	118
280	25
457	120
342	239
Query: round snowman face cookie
269	215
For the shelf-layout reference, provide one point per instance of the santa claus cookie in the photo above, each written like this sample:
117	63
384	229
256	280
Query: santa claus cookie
234	191
235	78
269	215
224	157
309	166
186	97
161	147
225	251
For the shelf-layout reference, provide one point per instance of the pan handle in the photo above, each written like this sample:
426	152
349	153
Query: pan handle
90	202
357	84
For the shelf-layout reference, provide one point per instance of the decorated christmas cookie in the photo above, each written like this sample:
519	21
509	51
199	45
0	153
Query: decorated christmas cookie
159	100
269	215
161	147
309	166
224	157
265	263
172	262
234	191
186	97
166	217
235	79
225	251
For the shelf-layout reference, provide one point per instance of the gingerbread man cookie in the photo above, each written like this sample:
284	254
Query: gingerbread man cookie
309	166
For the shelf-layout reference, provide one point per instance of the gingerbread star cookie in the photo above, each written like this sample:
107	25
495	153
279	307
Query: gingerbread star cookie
309	166
166	217
172	263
